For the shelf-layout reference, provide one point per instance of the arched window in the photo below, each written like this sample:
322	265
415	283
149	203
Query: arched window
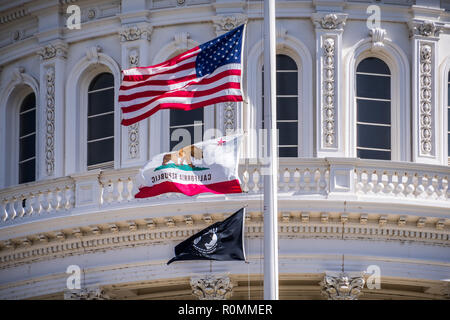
100	122
27	139
192	121
373	99
287	106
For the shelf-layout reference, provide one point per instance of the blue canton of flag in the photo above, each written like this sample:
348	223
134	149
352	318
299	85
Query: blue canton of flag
220	51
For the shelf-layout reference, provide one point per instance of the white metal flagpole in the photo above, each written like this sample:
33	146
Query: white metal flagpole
271	174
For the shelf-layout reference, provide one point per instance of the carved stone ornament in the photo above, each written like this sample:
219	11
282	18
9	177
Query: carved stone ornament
17	74
53	50
86	294
425	99
50	122
425	28
133	58
92	53
225	23
229	117
212	287
328	87
329	21
378	37
181	41
133	141
135	33
342	286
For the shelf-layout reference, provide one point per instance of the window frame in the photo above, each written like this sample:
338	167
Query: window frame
373	99
18	114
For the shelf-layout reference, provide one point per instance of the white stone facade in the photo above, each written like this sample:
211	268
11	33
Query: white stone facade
392	214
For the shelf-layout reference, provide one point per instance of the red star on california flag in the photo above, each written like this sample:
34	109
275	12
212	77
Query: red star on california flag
221	142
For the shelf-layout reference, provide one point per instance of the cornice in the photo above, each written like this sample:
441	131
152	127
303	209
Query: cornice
13	15
292	225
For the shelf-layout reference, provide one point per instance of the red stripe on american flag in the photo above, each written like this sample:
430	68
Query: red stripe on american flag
143	77
181	106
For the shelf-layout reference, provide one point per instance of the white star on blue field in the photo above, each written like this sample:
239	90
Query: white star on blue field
220	51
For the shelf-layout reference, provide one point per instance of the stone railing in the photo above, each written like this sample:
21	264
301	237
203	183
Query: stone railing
328	178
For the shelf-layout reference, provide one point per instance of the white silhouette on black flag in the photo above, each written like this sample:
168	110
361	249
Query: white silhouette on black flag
222	241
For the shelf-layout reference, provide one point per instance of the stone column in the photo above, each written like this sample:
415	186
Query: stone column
228	115
51	121
342	285
134	39
329	128
426	132
212	287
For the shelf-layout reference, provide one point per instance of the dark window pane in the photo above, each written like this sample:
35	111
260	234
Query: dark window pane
28	103
101	127
27	171
27	148
100	151
285	63
181	117
448	92
185	139
374	136
286	83
287	152
448	142
27	123
373	65
100	102
374	111
448	119
103	80
368	86
374	154
287	109
287	133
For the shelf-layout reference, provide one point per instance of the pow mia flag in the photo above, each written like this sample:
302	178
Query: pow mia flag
222	241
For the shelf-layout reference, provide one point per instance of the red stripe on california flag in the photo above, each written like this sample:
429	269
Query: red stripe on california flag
232	186
181	106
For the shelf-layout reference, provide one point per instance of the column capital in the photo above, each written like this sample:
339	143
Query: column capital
53	50
211	287
425	28
135	32
225	23
342	285
331	21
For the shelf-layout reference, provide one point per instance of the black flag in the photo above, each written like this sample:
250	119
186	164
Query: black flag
221	241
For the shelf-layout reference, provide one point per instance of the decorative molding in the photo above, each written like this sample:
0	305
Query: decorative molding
86	294
50	122
132	33
225	23
229	117
281	34
425	98
13	15
328	91
342	286
425	28
17	74
92	53
53	50
378	37
212	287
133	58
329	21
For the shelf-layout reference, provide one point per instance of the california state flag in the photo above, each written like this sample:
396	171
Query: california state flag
209	166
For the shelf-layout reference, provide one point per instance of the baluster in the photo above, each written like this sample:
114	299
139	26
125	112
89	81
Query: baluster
384	181
107	192
307	179
20	209
398	185
115	193
134	188
256	178
71	196
359	182
323	180
36	203
418	183
372	182
365	181
432	184
45	203
409	183
286	179
297	176
126	191
12	210
3	211
317	180
64	199
54	202
28	205
444	188
245	180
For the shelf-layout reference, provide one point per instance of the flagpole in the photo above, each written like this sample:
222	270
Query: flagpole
271	175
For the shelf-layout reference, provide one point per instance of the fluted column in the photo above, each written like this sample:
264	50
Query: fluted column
51	121
212	287
427	137
329	134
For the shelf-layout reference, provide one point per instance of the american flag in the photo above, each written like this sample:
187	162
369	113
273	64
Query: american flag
207	74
